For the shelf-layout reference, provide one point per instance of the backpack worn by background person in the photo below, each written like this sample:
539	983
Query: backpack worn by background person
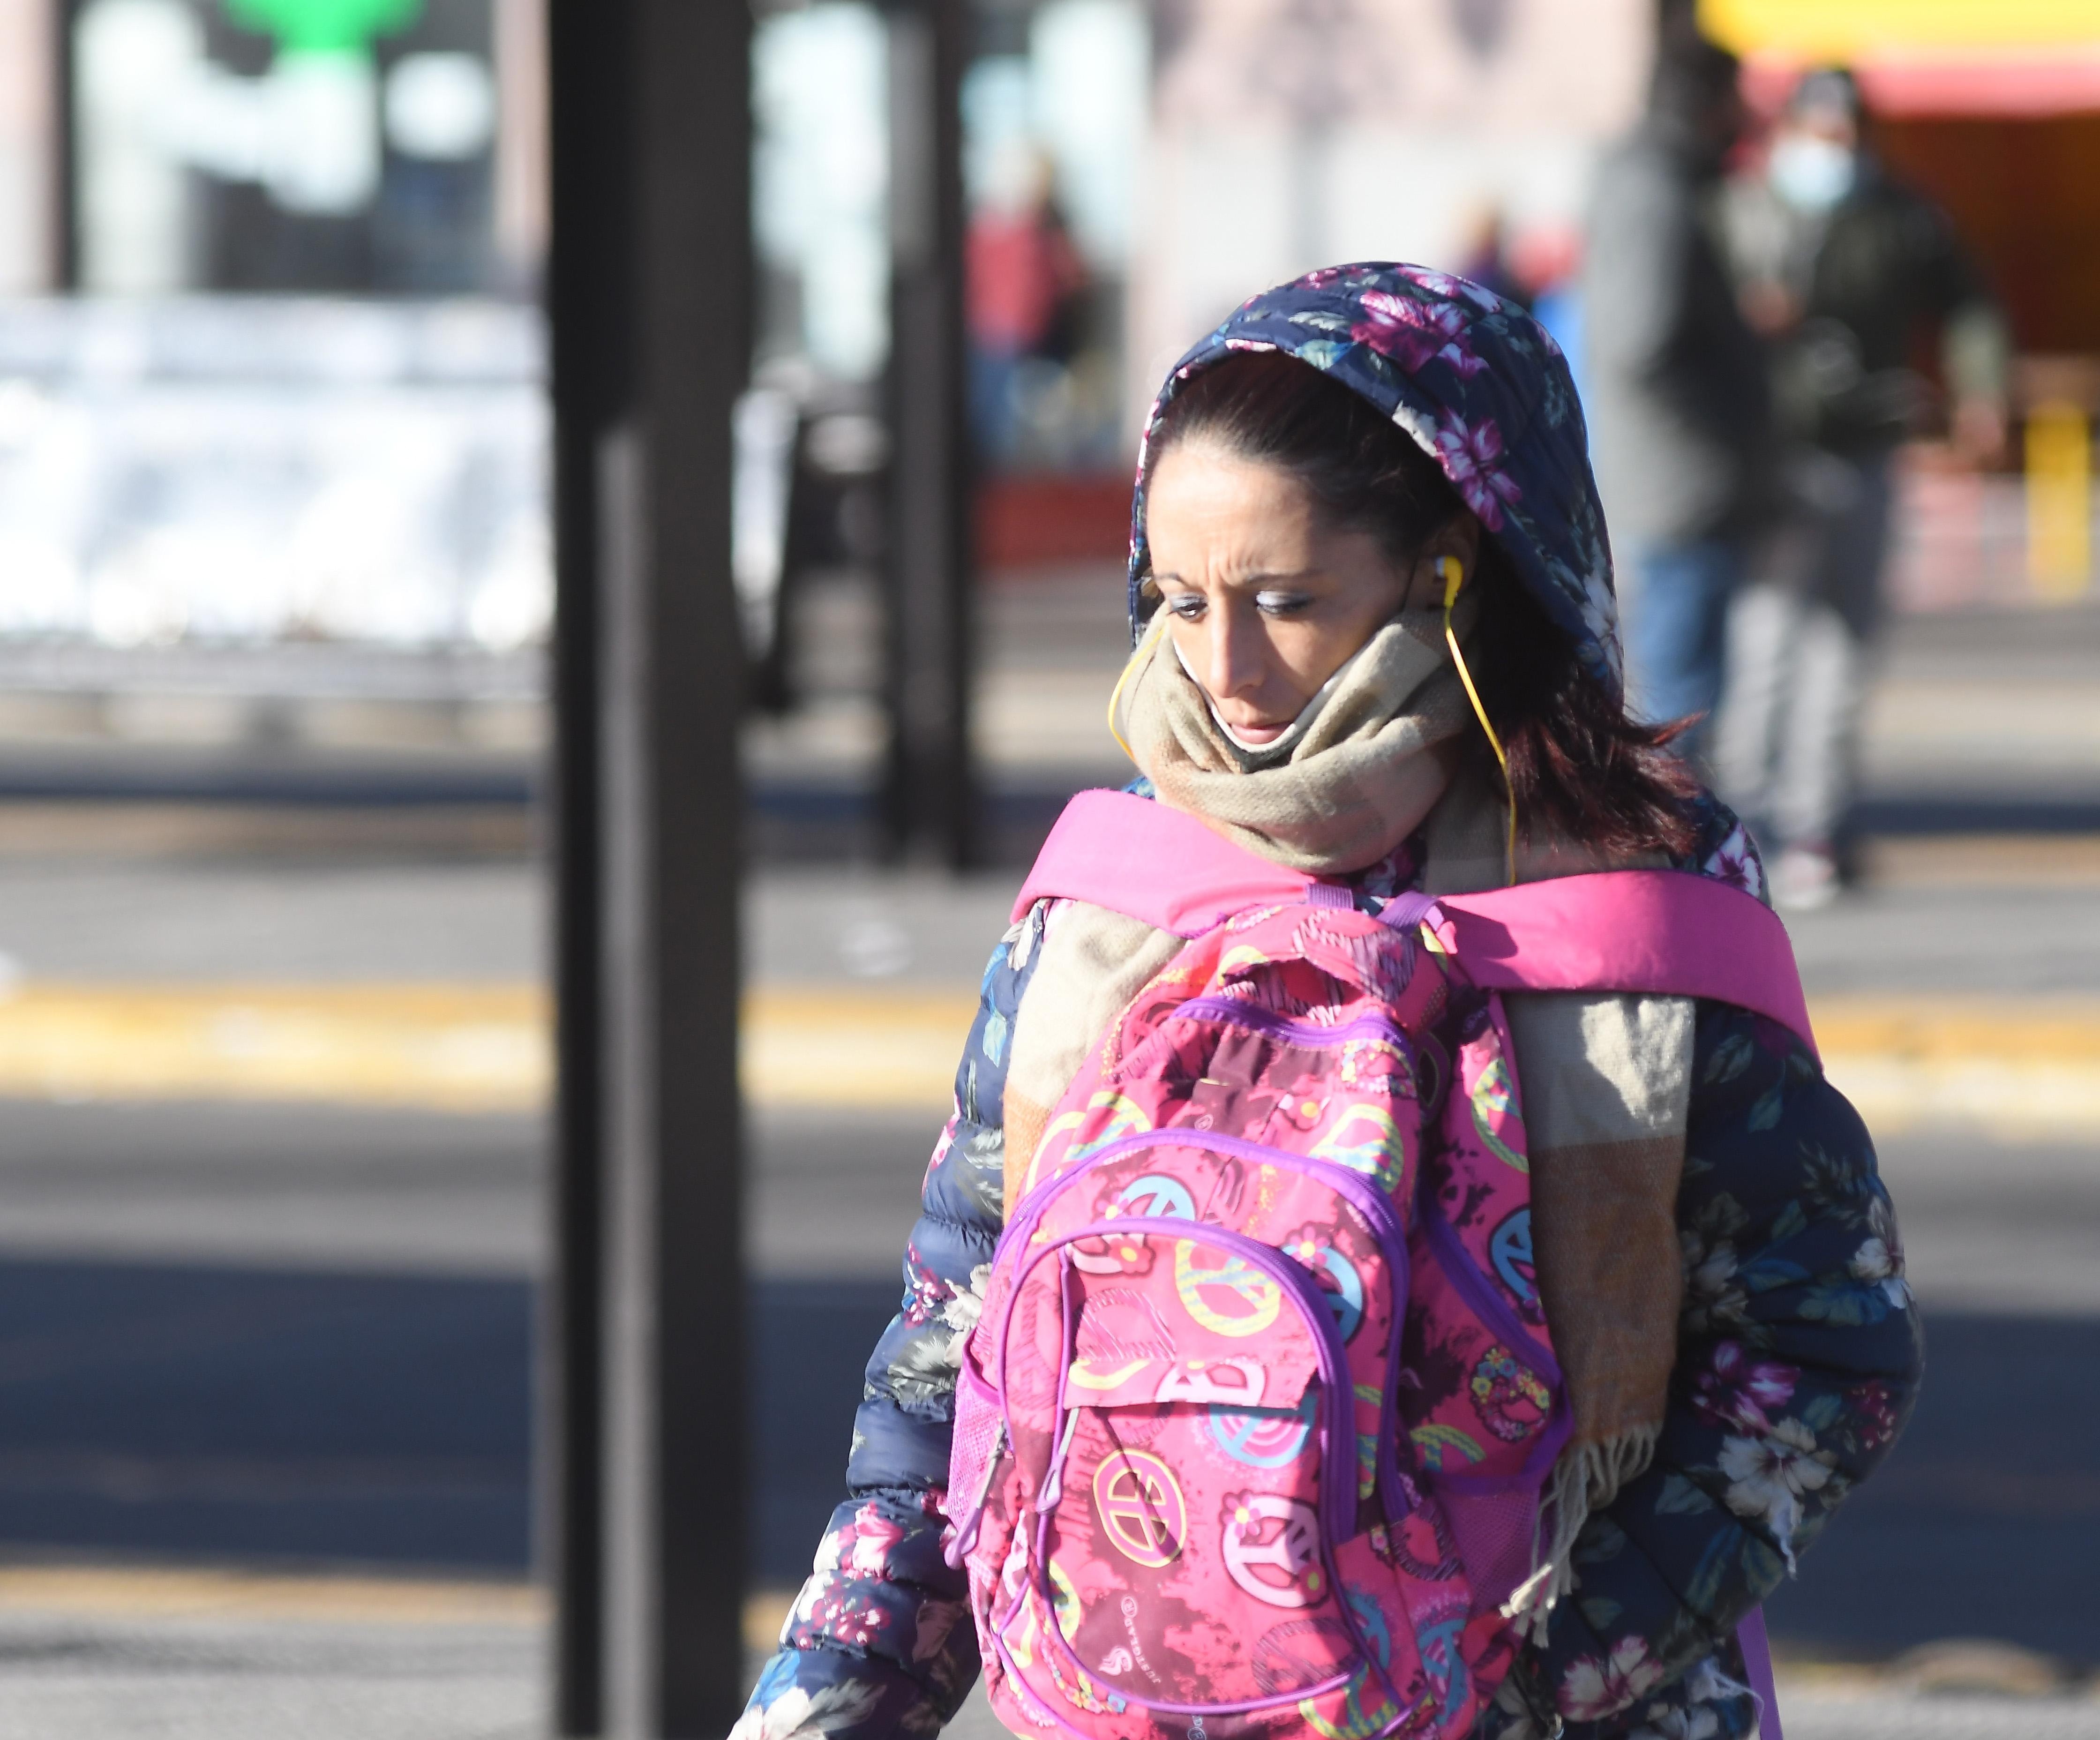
1257	1416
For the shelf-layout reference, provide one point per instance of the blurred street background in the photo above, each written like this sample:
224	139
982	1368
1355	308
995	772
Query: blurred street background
276	591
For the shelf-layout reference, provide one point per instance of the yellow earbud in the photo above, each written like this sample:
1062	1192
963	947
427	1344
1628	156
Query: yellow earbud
1454	573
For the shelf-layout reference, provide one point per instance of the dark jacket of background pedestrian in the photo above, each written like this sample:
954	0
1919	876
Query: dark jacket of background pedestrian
1679	409
1844	266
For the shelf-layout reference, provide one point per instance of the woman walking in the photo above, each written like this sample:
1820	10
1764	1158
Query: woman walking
1376	649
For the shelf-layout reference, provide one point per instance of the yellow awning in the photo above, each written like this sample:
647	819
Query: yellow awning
1842	31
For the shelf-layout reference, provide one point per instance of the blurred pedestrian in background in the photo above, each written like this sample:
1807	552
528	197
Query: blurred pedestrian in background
1024	278
1678	397
1845	269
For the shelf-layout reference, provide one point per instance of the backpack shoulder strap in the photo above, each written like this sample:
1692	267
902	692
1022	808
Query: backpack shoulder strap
1132	855
1665	932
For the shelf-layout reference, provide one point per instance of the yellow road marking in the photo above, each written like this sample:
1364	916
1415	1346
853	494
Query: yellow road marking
1955	1026
450	1047
456	1048
180	1591
2022	1067
854	1046
2029	1066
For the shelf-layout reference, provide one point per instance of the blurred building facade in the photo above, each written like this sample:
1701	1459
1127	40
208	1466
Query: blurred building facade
270	366
291	146
1291	134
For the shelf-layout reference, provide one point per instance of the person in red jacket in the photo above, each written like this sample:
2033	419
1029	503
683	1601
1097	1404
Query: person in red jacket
1023	276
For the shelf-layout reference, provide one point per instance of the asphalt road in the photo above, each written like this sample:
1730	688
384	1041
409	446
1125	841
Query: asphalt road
307	1333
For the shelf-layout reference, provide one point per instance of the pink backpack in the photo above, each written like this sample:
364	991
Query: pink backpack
1257	1418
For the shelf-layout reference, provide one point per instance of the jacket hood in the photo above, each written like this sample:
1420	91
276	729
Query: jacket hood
1479	385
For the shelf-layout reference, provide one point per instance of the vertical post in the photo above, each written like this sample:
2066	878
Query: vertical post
590	289
930	795
64	185
648	285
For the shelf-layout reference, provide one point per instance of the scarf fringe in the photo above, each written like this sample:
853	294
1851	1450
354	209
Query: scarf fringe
1586	1478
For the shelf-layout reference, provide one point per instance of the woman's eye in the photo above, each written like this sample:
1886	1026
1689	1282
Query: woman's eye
1188	605
1280	604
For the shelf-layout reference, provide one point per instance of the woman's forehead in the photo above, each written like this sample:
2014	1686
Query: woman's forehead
1207	498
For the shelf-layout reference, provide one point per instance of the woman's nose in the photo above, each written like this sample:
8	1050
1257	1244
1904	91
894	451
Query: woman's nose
1234	655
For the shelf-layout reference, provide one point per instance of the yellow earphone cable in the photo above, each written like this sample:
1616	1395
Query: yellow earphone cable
1142	651
1454	576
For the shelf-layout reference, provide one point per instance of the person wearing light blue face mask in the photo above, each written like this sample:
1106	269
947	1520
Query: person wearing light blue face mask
1809	172
1842	269
1814	162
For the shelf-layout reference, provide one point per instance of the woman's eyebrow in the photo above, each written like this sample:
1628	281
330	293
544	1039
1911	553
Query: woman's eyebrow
1244	582
1268	578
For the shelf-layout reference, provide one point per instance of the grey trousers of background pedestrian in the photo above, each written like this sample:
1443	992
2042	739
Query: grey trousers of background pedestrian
1800	635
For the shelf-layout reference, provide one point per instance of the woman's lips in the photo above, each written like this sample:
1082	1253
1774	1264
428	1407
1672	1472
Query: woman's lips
1262	732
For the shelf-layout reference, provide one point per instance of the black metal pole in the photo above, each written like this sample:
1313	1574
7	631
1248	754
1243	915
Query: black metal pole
590	289
649	286
63	192
930	797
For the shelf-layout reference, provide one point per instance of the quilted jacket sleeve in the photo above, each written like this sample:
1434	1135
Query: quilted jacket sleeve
1799	1354
879	1643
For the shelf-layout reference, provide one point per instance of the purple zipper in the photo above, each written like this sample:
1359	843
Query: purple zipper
1237	1013
1457	1262
1376	1205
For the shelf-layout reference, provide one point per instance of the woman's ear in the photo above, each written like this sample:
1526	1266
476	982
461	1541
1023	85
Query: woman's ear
1459	539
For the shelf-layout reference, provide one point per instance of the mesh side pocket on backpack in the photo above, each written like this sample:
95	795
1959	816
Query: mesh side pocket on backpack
1494	1525
972	1454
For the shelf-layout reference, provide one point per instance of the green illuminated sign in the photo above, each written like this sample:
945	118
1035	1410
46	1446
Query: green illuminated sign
324	27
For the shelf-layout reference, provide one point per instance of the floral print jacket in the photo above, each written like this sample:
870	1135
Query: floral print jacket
1798	1360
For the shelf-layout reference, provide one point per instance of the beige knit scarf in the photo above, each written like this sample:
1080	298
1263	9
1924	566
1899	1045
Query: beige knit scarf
1357	783
1605	1079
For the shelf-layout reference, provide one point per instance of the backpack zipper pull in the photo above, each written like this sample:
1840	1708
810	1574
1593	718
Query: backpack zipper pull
971	1517
1053	1481
1053	1488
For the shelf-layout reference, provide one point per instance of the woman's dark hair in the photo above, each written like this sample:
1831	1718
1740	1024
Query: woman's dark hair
1578	764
